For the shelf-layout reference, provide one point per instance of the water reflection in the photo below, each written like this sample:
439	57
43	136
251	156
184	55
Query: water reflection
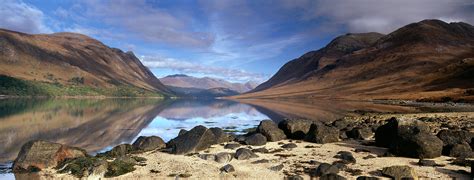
98	124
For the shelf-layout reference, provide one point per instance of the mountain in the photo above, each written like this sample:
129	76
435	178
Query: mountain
427	60
44	64
204	87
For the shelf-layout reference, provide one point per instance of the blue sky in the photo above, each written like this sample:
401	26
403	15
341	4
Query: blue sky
235	40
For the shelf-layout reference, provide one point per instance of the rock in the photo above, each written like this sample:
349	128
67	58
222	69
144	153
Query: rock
231	146
84	167
256	139
370	156
456	138
261	150
243	154
424	162
346	156
277	167
289	145
324	168
399	172
270	130
37	155
295	129
197	139
149	143
367	178
223	157
118	167
118	151
293	177
461	150
240	138
360	133
227	168
341	124
409	138
261	161
332	176
182	131
208	157
320	133
220	135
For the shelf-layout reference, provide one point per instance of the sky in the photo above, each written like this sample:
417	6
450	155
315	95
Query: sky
235	40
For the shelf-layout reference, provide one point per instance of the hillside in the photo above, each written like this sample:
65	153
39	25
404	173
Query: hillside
428	60
71	64
185	85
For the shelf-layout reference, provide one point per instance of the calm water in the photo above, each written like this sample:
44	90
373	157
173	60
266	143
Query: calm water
98	124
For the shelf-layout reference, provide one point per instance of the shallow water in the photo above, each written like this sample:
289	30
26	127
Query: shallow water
98	124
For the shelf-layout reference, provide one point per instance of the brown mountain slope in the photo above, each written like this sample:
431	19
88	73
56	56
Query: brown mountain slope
428	59
71	59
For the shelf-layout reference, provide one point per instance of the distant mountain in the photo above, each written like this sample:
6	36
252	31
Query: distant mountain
188	85
430	59
71	64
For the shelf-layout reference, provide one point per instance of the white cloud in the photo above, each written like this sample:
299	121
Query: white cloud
19	16
186	67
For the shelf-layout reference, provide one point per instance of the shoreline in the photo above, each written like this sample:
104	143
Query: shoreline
300	160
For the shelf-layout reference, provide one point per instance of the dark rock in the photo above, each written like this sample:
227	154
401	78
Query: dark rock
223	157
343	135
295	129
367	178
261	150
409	138
231	146
228	168
461	161
220	135
289	145
358	150
240	138
182	131
320	133
341	124
37	155
424	162
117	168
346	156
243	154
197	139
118	151
461	150
270	130
256	139
277	167
261	161
293	177
84	166
360	133
453	137
370	156
353	172
399	172
332	176
324	168
149	143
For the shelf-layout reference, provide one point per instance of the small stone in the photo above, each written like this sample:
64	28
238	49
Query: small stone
231	146
346	156
424	162
293	177
256	139
260	150
332	176
261	161
228	168
223	157
370	156
243	154
289	145
277	167
208	157
367	178
325	168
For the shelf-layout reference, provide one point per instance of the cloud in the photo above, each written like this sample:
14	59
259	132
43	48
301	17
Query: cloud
186	67
19	16
385	15
149	22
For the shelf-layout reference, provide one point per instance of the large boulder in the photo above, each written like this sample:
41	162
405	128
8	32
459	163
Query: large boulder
399	172
320	133
364	133
270	130
409	138
256	139
197	139
118	151
37	155
295	128
149	143
455	138
461	150
220	135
